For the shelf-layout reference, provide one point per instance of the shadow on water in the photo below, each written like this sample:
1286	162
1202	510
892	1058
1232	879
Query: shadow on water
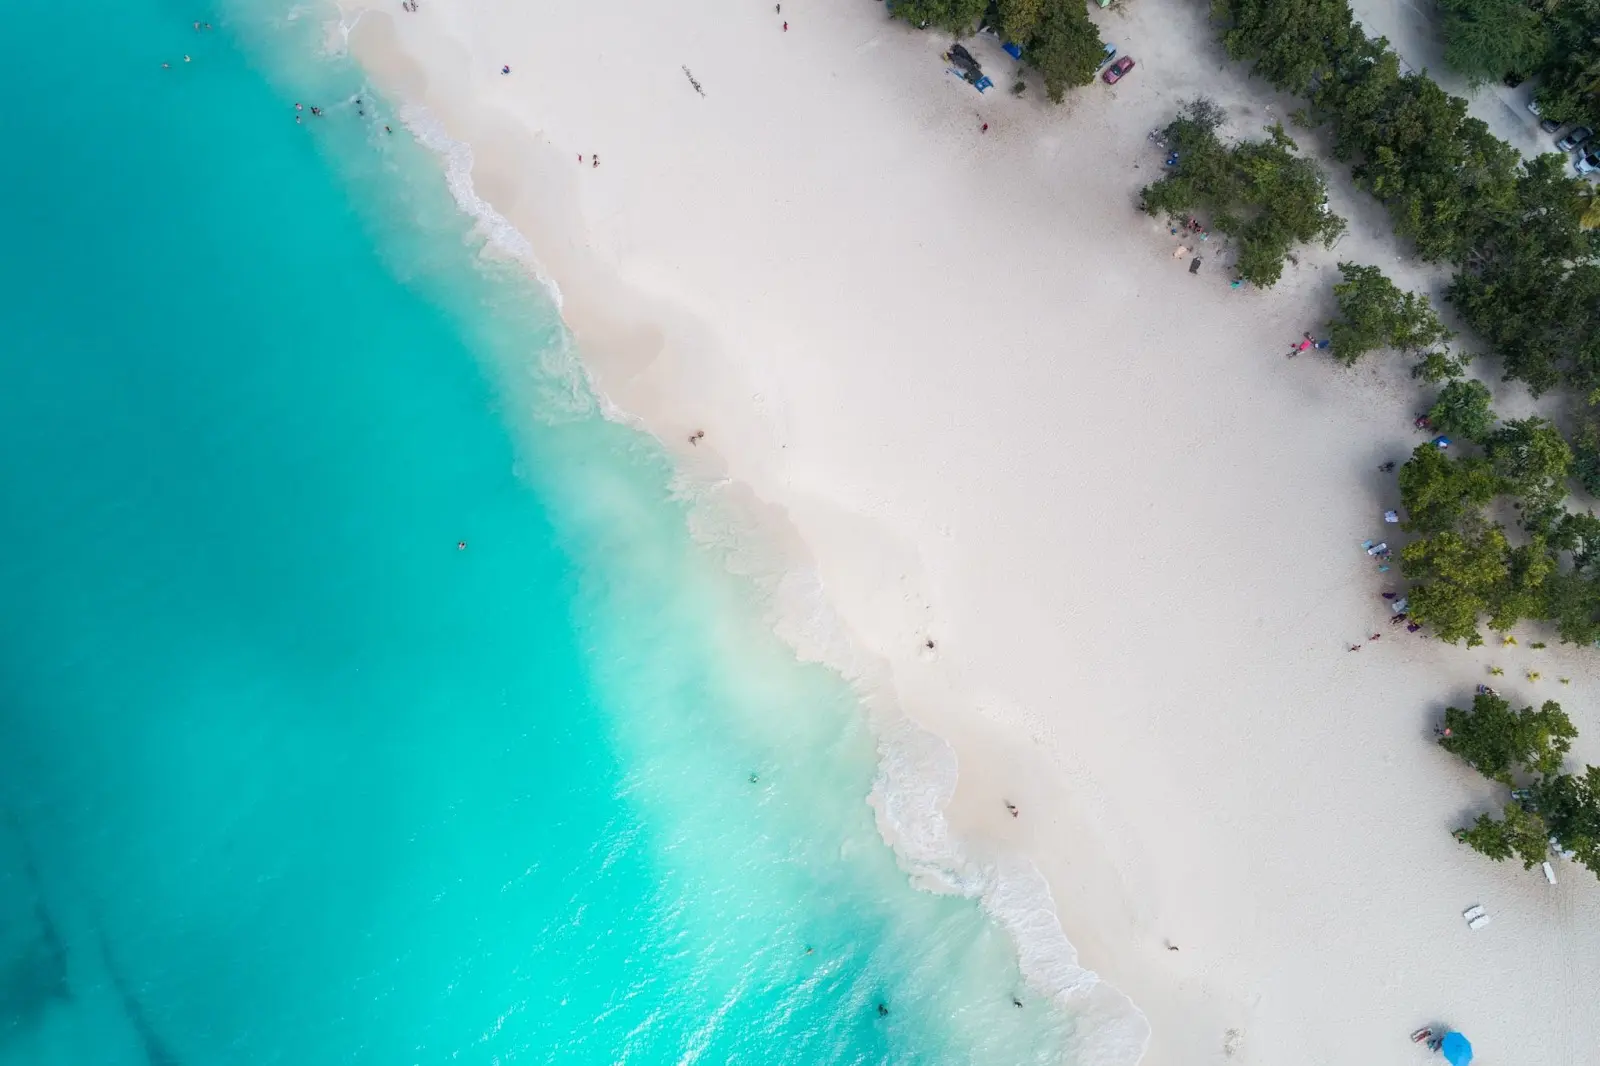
33	956
156	1053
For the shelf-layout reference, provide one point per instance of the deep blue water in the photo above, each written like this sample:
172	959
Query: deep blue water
289	778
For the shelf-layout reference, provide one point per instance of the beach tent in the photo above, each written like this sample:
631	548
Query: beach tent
1456	1049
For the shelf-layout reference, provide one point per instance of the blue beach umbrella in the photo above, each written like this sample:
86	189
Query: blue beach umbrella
1455	1048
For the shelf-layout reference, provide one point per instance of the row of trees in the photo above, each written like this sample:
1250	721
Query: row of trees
1526	747
1056	36
1528	271
1259	192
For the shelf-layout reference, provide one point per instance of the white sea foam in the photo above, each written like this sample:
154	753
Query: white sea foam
917	771
498	233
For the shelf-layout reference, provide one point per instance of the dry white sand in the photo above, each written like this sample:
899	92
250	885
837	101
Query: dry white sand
961	383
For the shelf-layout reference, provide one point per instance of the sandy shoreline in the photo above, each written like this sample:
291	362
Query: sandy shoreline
961	388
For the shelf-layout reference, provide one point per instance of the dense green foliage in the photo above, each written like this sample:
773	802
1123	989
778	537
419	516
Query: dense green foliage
1463	410
1057	37
1375	313
1556	808
960	17
1062	45
1441	493
1498	741
1260	193
1488	39
1294	44
1458	577
1519	234
1532	460
1518	832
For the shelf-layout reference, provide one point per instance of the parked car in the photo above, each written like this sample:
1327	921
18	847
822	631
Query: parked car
1116	70
1533	106
1111	53
1549	125
1575	139
1587	163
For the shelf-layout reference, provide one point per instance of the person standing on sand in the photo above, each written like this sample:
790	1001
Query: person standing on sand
785	27
1355	647
984	128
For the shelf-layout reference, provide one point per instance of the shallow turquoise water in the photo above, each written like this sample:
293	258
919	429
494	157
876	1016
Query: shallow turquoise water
289	778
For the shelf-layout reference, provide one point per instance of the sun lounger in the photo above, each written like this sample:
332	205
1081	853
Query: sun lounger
1474	911
1479	922
1549	873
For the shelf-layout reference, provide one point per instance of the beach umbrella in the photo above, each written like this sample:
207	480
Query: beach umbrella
1455	1049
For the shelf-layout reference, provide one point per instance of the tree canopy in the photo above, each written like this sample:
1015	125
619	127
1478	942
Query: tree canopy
1555	808
1375	313
1519	832
1293	44
1462	409
958	16
1456	578
1532	458
1488	39
1259	192
1499	742
1440	493
1063	46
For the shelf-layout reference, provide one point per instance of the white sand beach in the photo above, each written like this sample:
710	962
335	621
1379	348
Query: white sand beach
962	387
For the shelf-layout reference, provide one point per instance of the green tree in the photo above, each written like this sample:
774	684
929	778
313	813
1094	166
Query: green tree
1259	192
1438	366
1440	493
1532	457
1485	39
1456	578
1572	597
1291	43
1569	805
1375	313
1531	288
958	16
1017	19
1064	47
1463	409
1524	594
1586	456
1442	175
1498	742
1518	832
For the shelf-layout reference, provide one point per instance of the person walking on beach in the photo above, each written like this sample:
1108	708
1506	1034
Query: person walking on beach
1355	647
785	27
984	128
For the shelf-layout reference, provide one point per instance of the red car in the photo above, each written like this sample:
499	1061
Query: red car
1116	70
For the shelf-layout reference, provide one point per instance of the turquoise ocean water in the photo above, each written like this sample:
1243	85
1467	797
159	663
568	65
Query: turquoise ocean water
286	776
